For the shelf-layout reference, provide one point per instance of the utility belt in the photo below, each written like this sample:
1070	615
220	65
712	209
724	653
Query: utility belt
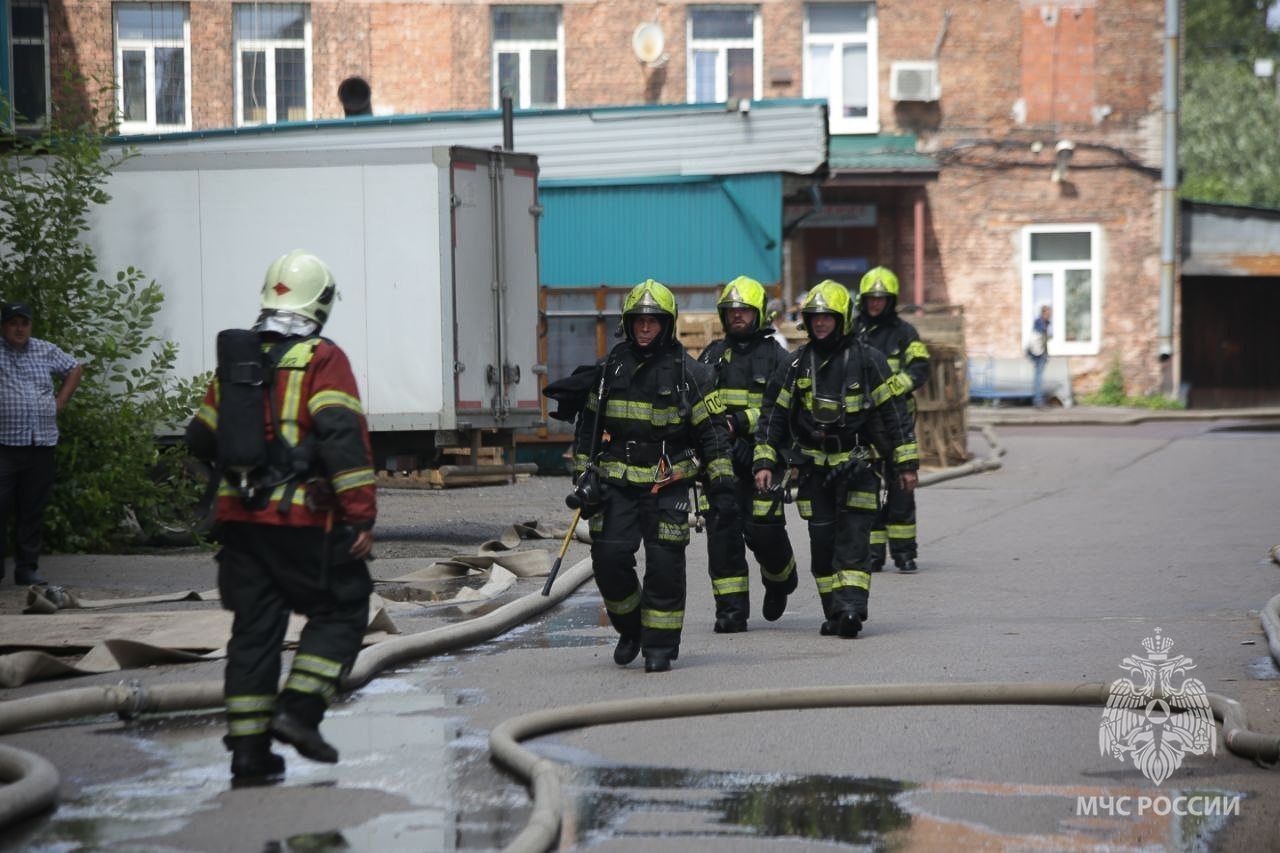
647	453
831	443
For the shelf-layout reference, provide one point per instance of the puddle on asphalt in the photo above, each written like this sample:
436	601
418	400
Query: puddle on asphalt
401	735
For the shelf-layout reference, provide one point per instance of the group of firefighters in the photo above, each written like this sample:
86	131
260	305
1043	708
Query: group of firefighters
296	498
742	420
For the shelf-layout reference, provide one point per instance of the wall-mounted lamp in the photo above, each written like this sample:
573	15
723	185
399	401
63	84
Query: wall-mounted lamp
1061	158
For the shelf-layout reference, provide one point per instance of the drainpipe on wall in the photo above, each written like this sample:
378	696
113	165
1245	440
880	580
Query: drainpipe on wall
1169	194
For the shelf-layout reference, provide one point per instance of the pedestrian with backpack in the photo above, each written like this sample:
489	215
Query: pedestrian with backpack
283	424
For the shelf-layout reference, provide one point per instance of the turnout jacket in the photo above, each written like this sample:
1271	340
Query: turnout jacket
742	370
864	412
660	408
901	346
314	395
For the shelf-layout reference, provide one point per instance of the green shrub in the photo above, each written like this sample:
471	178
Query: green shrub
111	467
1112	394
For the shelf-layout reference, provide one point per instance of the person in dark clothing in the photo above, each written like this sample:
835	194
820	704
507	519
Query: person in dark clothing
661	415
880	326
826	407
296	531
743	361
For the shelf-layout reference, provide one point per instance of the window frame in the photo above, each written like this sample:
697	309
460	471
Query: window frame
838	123
523	49
722	47
269	46
148	46
1058	345
12	118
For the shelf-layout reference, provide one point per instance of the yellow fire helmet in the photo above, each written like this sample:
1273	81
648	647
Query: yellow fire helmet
880	281
830	297
299	283
742	292
650	297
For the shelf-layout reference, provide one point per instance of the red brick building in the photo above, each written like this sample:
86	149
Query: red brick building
999	154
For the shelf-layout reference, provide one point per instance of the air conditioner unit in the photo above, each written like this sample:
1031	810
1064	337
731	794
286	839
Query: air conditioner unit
914	81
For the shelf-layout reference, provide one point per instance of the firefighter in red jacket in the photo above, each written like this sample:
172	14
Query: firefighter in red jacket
295	510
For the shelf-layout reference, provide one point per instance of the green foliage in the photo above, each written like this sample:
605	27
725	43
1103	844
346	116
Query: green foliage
1112	394
1230	119
110	465
1230	136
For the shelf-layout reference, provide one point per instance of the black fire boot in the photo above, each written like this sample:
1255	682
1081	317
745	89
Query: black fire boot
297	723
849	624
907	566
730	625
252	761
626	650
775	604
659	660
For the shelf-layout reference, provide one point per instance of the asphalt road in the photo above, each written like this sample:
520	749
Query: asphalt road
1052	569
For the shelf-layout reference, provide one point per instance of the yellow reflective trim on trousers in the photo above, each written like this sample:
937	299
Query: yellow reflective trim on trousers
730	586
916	350
805	508
354	479
666	620
596	524
291	403
244	726
310	685
851	578
225	489
879	537
786	572
862	500
765	508
317	665
906	453
625	606
902	531
678	533
825	583
249	704
325	399
207	415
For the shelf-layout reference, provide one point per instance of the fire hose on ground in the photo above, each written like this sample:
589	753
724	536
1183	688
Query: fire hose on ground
31	782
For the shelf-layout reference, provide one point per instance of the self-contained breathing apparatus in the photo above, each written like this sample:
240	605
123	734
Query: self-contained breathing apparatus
252	462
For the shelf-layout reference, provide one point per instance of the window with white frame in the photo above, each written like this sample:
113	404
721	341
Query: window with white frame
153	66
528	56
29	62
1062	268
272	62
840	64
724	54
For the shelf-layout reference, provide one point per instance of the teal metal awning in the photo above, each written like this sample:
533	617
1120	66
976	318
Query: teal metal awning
680	230
878	154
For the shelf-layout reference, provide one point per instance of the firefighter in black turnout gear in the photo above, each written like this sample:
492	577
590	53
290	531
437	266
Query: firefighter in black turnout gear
743	360
282	420
828	405
880	326
653	414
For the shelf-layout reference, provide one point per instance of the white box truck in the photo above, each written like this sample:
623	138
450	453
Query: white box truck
434	250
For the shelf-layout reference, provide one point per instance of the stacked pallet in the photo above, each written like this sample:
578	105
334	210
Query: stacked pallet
459	466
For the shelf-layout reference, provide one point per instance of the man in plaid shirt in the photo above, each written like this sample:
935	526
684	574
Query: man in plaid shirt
29	407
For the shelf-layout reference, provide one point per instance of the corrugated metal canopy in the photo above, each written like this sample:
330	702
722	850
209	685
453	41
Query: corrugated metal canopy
680	232
1230	240
787	135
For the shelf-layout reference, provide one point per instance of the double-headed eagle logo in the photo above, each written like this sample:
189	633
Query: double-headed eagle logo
1155	723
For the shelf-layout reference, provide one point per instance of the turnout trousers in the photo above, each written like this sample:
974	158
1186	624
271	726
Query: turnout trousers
896	522
264	572
630	516
761	527
840	516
